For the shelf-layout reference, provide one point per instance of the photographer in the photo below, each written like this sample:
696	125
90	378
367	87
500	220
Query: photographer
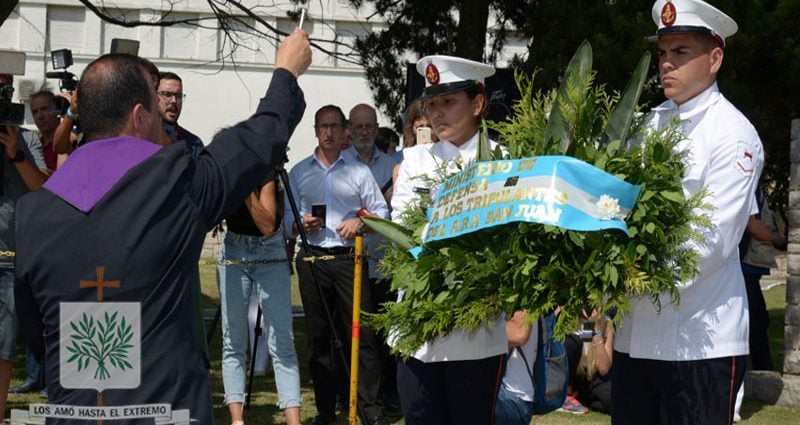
67	134
45	114
21	171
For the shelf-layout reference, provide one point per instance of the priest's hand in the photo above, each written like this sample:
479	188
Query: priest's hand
294	53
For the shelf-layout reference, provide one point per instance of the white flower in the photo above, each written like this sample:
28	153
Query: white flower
608	207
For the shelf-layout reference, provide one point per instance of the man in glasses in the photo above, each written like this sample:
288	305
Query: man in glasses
170	103
330	187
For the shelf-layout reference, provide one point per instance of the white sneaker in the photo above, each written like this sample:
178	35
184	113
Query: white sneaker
737	417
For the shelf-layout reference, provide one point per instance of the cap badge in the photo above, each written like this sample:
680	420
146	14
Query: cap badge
668	14
432	74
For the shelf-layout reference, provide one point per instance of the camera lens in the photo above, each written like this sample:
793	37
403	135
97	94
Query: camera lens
61	105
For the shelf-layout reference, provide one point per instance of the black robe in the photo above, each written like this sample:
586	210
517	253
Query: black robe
142	212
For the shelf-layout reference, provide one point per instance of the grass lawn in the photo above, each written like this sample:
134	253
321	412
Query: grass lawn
263	404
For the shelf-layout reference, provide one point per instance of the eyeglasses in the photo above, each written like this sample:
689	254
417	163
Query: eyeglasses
167	95
331	127
364	127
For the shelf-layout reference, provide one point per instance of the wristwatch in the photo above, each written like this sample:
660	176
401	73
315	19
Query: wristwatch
19	157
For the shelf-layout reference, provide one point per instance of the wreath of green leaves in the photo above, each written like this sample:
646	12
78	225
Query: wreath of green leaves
468	281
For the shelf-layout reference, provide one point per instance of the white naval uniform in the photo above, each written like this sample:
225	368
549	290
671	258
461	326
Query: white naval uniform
488	340
725	156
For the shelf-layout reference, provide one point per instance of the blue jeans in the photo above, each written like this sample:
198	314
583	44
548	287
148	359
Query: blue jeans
271	280
8	316
512	410
34	372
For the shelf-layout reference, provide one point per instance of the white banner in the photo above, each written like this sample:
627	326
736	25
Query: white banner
107	413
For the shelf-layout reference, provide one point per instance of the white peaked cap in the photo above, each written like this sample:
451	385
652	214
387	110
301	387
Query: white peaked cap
682	16
449	74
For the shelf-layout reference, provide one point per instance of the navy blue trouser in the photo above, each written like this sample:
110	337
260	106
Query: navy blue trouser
656	392
449	393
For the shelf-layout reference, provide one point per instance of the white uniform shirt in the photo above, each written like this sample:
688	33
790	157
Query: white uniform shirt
420	160
725	156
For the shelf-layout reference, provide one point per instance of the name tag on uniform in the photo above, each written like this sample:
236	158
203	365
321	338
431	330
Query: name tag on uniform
424	190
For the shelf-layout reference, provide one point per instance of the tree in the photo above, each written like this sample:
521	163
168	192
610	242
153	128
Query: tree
418	28
760	76
238	21
759	73
760	80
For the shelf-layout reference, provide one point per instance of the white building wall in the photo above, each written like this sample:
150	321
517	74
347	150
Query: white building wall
218	95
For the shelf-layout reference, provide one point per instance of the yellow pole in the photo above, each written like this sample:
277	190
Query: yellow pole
356	333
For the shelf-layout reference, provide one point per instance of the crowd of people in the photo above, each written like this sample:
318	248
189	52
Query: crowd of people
162	191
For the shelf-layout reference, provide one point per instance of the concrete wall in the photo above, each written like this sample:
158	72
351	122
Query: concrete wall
772	387
791	363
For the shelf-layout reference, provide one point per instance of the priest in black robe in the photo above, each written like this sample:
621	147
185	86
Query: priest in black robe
123	221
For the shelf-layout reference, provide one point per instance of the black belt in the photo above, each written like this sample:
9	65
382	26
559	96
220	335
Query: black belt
334	250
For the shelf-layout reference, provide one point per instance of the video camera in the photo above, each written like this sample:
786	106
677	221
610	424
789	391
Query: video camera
10	113
62	59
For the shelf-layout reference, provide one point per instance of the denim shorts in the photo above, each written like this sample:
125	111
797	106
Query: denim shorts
8	317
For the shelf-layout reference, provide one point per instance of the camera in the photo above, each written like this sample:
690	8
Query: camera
586	331
13	63
10	113
62	59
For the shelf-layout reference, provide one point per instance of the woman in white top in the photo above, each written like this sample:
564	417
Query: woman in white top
455	378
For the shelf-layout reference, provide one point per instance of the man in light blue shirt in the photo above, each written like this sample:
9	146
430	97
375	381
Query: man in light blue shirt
363	130
329	188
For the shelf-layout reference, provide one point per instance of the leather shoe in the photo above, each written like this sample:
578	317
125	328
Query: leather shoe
321	419
25	387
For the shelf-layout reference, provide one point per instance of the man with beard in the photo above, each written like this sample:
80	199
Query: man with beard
170	104
363	125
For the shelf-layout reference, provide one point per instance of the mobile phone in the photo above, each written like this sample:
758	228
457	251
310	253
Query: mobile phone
424	136
319	210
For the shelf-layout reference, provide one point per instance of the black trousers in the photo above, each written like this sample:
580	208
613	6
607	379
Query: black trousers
336	282
574	347
382	293
655	392
760	354
449	393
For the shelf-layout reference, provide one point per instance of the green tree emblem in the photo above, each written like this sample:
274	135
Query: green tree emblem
104	341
